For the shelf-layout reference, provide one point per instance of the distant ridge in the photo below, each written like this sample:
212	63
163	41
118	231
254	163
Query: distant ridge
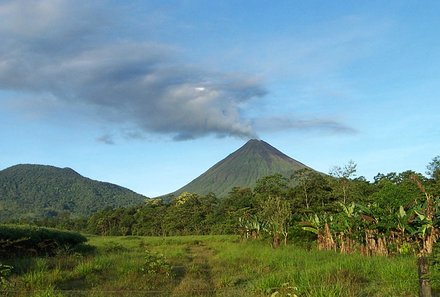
243	168
38	191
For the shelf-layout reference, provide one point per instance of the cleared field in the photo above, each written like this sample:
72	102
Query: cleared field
207	266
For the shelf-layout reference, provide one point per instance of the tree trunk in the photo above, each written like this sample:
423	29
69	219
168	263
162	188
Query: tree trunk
424	284
285	234
276	240
344	191
307	198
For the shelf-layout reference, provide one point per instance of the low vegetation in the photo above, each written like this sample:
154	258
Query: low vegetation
207	266
18	241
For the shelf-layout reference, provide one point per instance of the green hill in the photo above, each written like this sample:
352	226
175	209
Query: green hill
243	168
37	191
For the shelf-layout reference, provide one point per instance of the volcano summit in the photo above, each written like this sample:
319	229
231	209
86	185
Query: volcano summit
243	168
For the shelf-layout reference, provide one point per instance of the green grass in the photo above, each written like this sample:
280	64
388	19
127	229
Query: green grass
208	266
315	273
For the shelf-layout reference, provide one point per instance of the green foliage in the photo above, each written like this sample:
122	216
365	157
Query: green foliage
114	247
434	274
343	175
311	190
276	214
5	272
155	264
433	168
37	191
26	240
272	185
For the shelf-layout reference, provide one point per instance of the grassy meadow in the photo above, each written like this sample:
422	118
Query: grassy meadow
206	266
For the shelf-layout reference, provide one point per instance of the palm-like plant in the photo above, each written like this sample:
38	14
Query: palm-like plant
250	226
320	227
426	235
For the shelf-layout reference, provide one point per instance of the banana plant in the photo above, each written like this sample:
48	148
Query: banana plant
321	227
426	235
346	227
251	227
405	228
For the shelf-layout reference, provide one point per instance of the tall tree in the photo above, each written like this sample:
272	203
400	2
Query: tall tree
343	176
433	168
312	188
276	214
272	185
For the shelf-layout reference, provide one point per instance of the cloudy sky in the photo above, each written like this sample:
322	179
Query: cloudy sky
150	94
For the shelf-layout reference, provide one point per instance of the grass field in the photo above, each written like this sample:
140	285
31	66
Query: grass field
207	266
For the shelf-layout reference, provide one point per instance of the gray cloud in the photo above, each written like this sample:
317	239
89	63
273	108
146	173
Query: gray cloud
106	139
275	124
52	48
70	53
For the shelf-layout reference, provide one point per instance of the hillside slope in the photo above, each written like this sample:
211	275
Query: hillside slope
37	191
243	168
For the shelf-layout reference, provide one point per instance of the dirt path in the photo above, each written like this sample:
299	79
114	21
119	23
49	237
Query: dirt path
196	274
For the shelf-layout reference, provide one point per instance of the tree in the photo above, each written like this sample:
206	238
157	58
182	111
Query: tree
343	176
272	185
433	171
240	203
312	186
276	214
433	168
427	235
304	179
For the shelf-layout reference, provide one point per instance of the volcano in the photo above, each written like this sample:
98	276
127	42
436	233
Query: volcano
242	168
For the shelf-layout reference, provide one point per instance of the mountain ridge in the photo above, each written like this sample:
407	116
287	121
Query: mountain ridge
38	191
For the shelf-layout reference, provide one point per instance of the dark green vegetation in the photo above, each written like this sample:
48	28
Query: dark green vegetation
394	216
19	241
388	203
254	160
290	230
207	266
37	191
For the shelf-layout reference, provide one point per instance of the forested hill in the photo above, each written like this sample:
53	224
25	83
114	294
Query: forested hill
242	168
44	191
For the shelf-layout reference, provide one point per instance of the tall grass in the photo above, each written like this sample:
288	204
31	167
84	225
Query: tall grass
208	265
315	273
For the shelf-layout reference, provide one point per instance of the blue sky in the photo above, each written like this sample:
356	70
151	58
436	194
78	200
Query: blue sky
150	94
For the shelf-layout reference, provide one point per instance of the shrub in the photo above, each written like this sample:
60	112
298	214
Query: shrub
5	272
27	240
155	264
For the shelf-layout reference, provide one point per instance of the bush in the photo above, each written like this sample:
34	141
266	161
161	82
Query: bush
27	240
155	264
5	272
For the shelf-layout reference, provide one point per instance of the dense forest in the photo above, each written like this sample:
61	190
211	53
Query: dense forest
393	204
37	191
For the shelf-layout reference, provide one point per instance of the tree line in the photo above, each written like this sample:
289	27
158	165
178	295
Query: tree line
396	213
281	208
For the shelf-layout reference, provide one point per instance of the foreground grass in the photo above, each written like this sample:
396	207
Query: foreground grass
209	266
